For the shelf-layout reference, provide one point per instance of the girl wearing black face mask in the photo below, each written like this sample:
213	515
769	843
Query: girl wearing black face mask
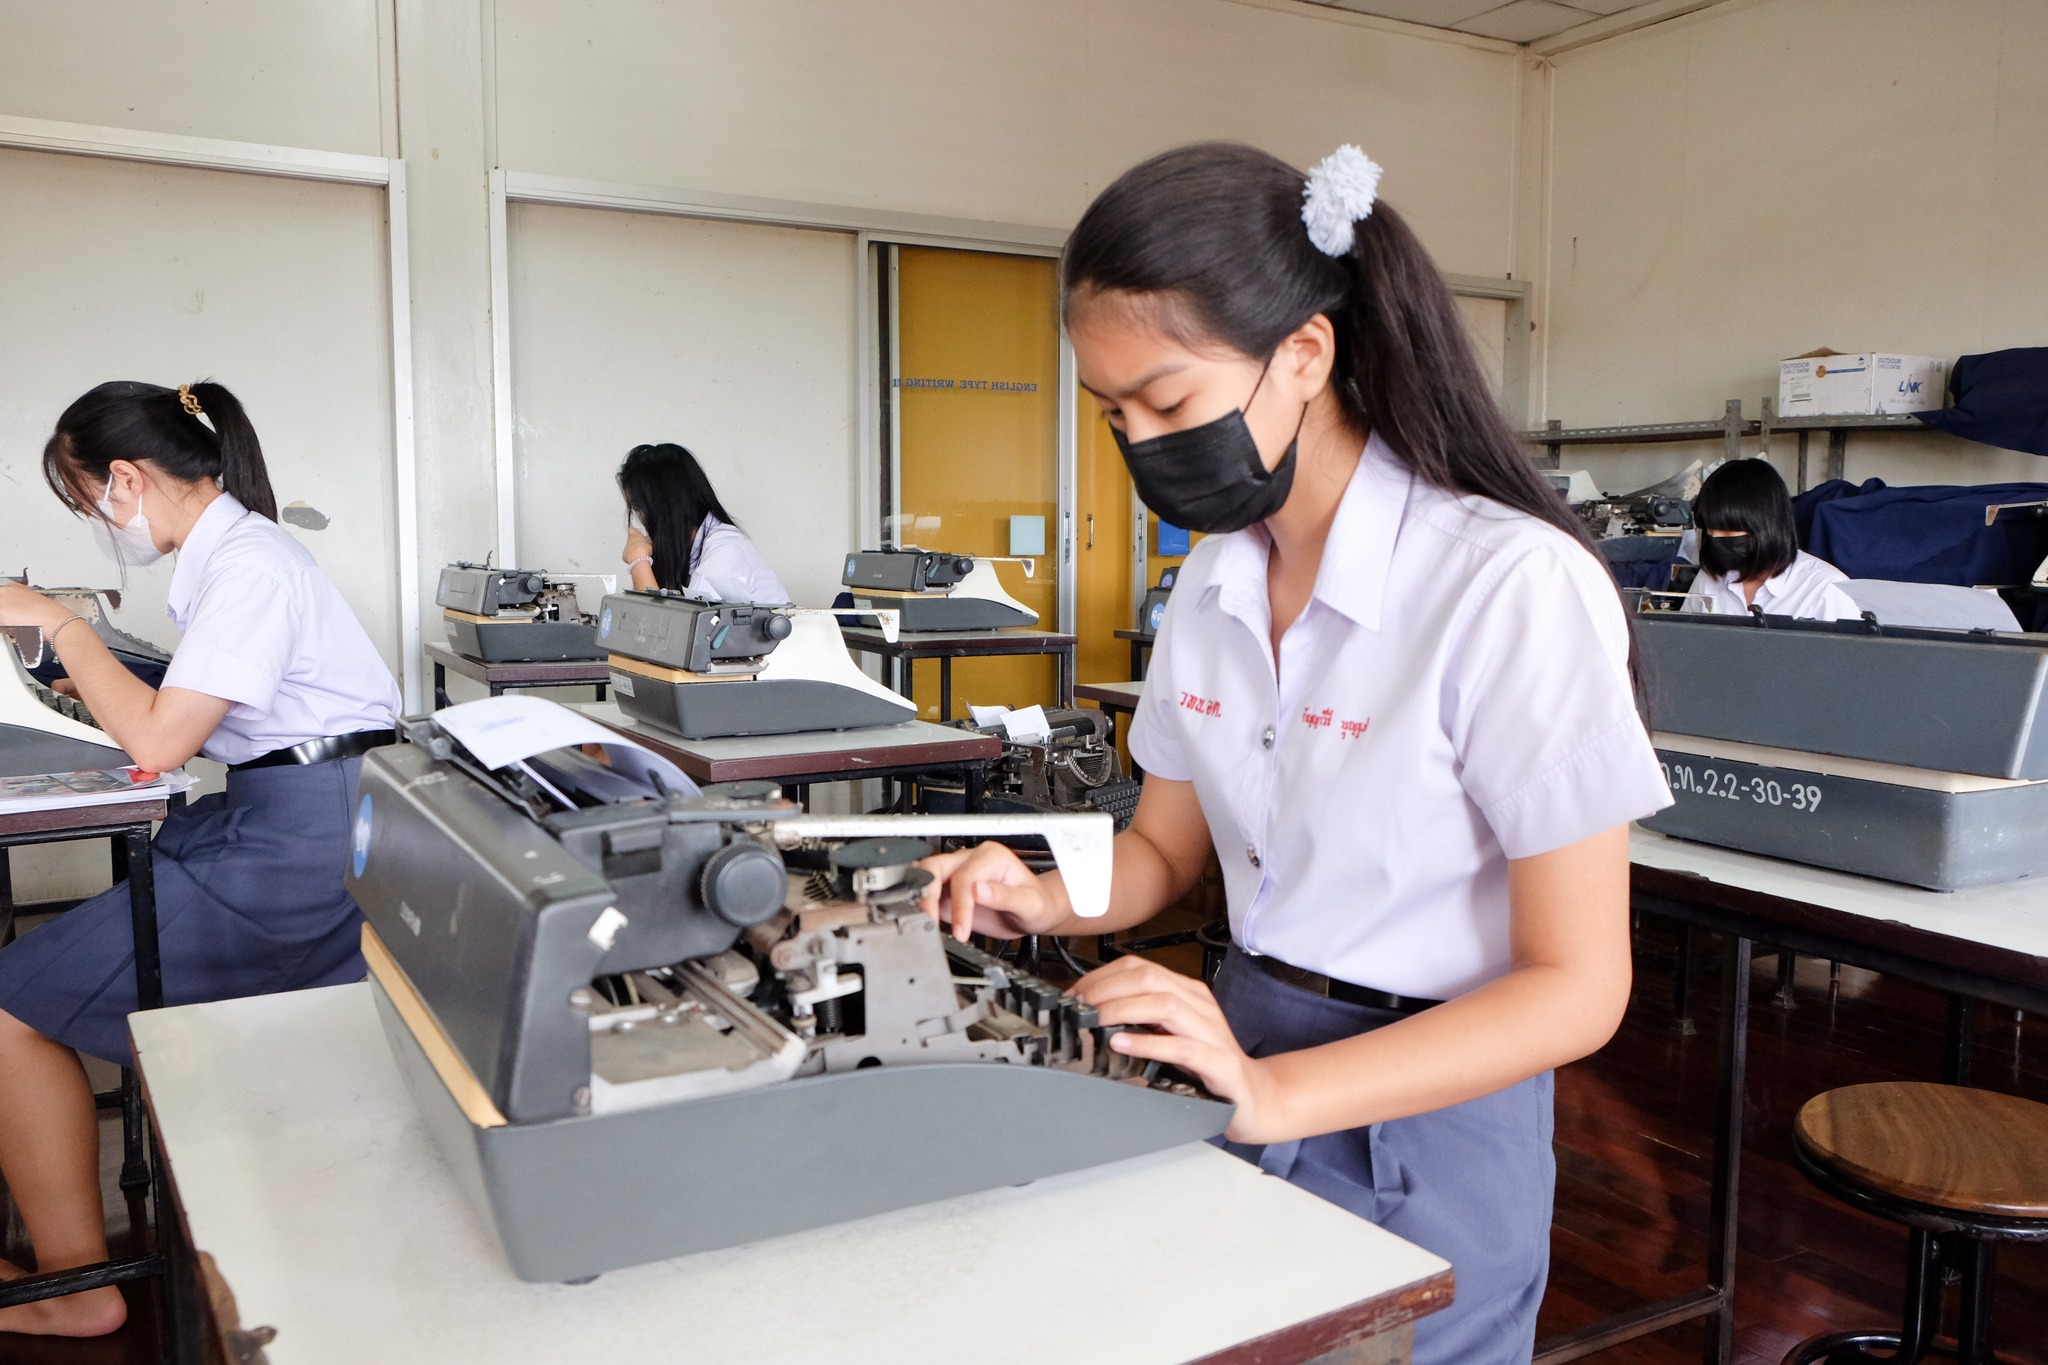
1749	551
1391	693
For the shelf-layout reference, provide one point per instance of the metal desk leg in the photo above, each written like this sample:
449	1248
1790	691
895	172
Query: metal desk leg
1066	671
497	689
1682	994
973	780
440	684
1723	1220
945	689
1137	661
1955	1053
906	678
601	690
149	995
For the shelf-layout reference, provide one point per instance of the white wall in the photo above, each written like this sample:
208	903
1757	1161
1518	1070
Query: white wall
734	340
275	288
1769	176
998	110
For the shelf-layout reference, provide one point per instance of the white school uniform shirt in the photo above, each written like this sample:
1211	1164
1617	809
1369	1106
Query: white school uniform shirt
725	567
1455	694
265	630
1809	588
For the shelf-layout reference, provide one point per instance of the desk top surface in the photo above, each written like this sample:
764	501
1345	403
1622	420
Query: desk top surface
1110	693
1009	641
768	756
2012	916
533	670
305	1171
1143	635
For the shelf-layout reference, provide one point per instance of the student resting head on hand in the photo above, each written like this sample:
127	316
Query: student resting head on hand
680	537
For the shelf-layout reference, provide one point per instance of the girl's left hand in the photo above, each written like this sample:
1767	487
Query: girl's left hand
638	546
21	605
1195	1037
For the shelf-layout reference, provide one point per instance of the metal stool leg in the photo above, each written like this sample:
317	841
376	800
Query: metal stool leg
1973	1327
1681	995
1788	963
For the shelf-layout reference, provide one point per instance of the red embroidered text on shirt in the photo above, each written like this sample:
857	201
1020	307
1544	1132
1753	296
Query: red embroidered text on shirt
1316	720
1355	729
1201	706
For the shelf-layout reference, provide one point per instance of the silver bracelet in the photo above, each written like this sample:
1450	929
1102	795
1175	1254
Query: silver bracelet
74	616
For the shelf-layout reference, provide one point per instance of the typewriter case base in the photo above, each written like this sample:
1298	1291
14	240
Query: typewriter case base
571	1198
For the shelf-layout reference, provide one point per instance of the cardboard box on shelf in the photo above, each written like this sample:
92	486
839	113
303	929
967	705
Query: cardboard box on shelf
1827	383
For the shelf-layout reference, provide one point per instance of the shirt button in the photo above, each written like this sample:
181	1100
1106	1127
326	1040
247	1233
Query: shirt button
1252	855
1267	738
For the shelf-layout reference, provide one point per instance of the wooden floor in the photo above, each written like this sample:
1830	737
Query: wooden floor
1633	1166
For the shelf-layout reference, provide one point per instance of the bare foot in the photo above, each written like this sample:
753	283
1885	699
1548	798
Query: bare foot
93	1313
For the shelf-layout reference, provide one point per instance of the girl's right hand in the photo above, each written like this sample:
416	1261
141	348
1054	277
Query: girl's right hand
988	890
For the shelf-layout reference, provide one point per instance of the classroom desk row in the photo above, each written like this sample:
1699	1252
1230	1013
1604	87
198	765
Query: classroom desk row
900	656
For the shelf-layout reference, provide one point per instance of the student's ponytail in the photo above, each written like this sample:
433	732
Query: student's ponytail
191	433
242	471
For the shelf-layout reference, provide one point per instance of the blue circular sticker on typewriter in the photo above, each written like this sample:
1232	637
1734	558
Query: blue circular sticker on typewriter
362	836
604	624
1157	615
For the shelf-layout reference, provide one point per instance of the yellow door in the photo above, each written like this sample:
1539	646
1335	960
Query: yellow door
977	400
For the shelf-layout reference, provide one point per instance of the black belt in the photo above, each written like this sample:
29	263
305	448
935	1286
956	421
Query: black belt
1315	983
323	750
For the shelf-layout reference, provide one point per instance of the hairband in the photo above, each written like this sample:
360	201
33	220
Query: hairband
190	403
1340	192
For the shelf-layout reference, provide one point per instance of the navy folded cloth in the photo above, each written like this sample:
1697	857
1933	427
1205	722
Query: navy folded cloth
1999	398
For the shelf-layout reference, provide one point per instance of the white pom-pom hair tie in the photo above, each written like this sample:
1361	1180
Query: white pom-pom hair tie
1340	192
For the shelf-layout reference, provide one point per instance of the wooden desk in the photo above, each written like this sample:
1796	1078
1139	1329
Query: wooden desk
128	824
914	748
1986	943
302	1166
947	645
503	678
1141	643
1115	698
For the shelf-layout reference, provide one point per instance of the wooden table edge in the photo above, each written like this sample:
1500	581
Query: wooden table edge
1098	693
969	748
112	817
1885	935
1359	1322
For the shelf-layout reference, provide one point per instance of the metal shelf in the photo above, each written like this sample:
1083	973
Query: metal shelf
1731	429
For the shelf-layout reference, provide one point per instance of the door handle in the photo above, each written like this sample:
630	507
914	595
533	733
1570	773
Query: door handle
1091	530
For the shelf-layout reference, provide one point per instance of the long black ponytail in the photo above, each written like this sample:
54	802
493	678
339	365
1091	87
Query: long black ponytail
1210	238
191	433
669	491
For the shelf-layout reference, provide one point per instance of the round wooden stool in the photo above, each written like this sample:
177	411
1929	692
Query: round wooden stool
1963	1169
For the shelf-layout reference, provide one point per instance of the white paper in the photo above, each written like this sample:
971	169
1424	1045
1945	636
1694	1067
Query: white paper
1028	726
501	731
989	717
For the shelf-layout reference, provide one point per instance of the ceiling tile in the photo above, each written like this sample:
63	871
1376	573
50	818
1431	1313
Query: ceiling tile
1607	6
1524	21
1441	13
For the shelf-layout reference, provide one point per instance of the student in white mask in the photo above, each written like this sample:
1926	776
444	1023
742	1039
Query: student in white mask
273	677
1392	693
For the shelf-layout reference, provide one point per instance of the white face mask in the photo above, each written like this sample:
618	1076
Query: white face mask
130	544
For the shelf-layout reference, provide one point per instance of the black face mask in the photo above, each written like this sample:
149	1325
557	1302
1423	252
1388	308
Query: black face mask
1210	478
1728	556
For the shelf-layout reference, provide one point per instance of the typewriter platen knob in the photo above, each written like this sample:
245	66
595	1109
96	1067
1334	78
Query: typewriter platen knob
777	626
745	884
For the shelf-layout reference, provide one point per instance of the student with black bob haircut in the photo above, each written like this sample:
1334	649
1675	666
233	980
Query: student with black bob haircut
679	535
273	677
1391	692
1749	551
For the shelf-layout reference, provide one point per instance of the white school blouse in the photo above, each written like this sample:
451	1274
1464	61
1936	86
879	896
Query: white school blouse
725	567
1809	588
268	632
1455	694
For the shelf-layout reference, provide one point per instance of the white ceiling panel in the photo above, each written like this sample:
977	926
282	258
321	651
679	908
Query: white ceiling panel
1436	13
1524	21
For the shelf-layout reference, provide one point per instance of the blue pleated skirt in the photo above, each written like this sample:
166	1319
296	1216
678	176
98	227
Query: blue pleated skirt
1472	1183
249	900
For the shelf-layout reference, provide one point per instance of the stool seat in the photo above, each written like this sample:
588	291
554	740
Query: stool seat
1973	1152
